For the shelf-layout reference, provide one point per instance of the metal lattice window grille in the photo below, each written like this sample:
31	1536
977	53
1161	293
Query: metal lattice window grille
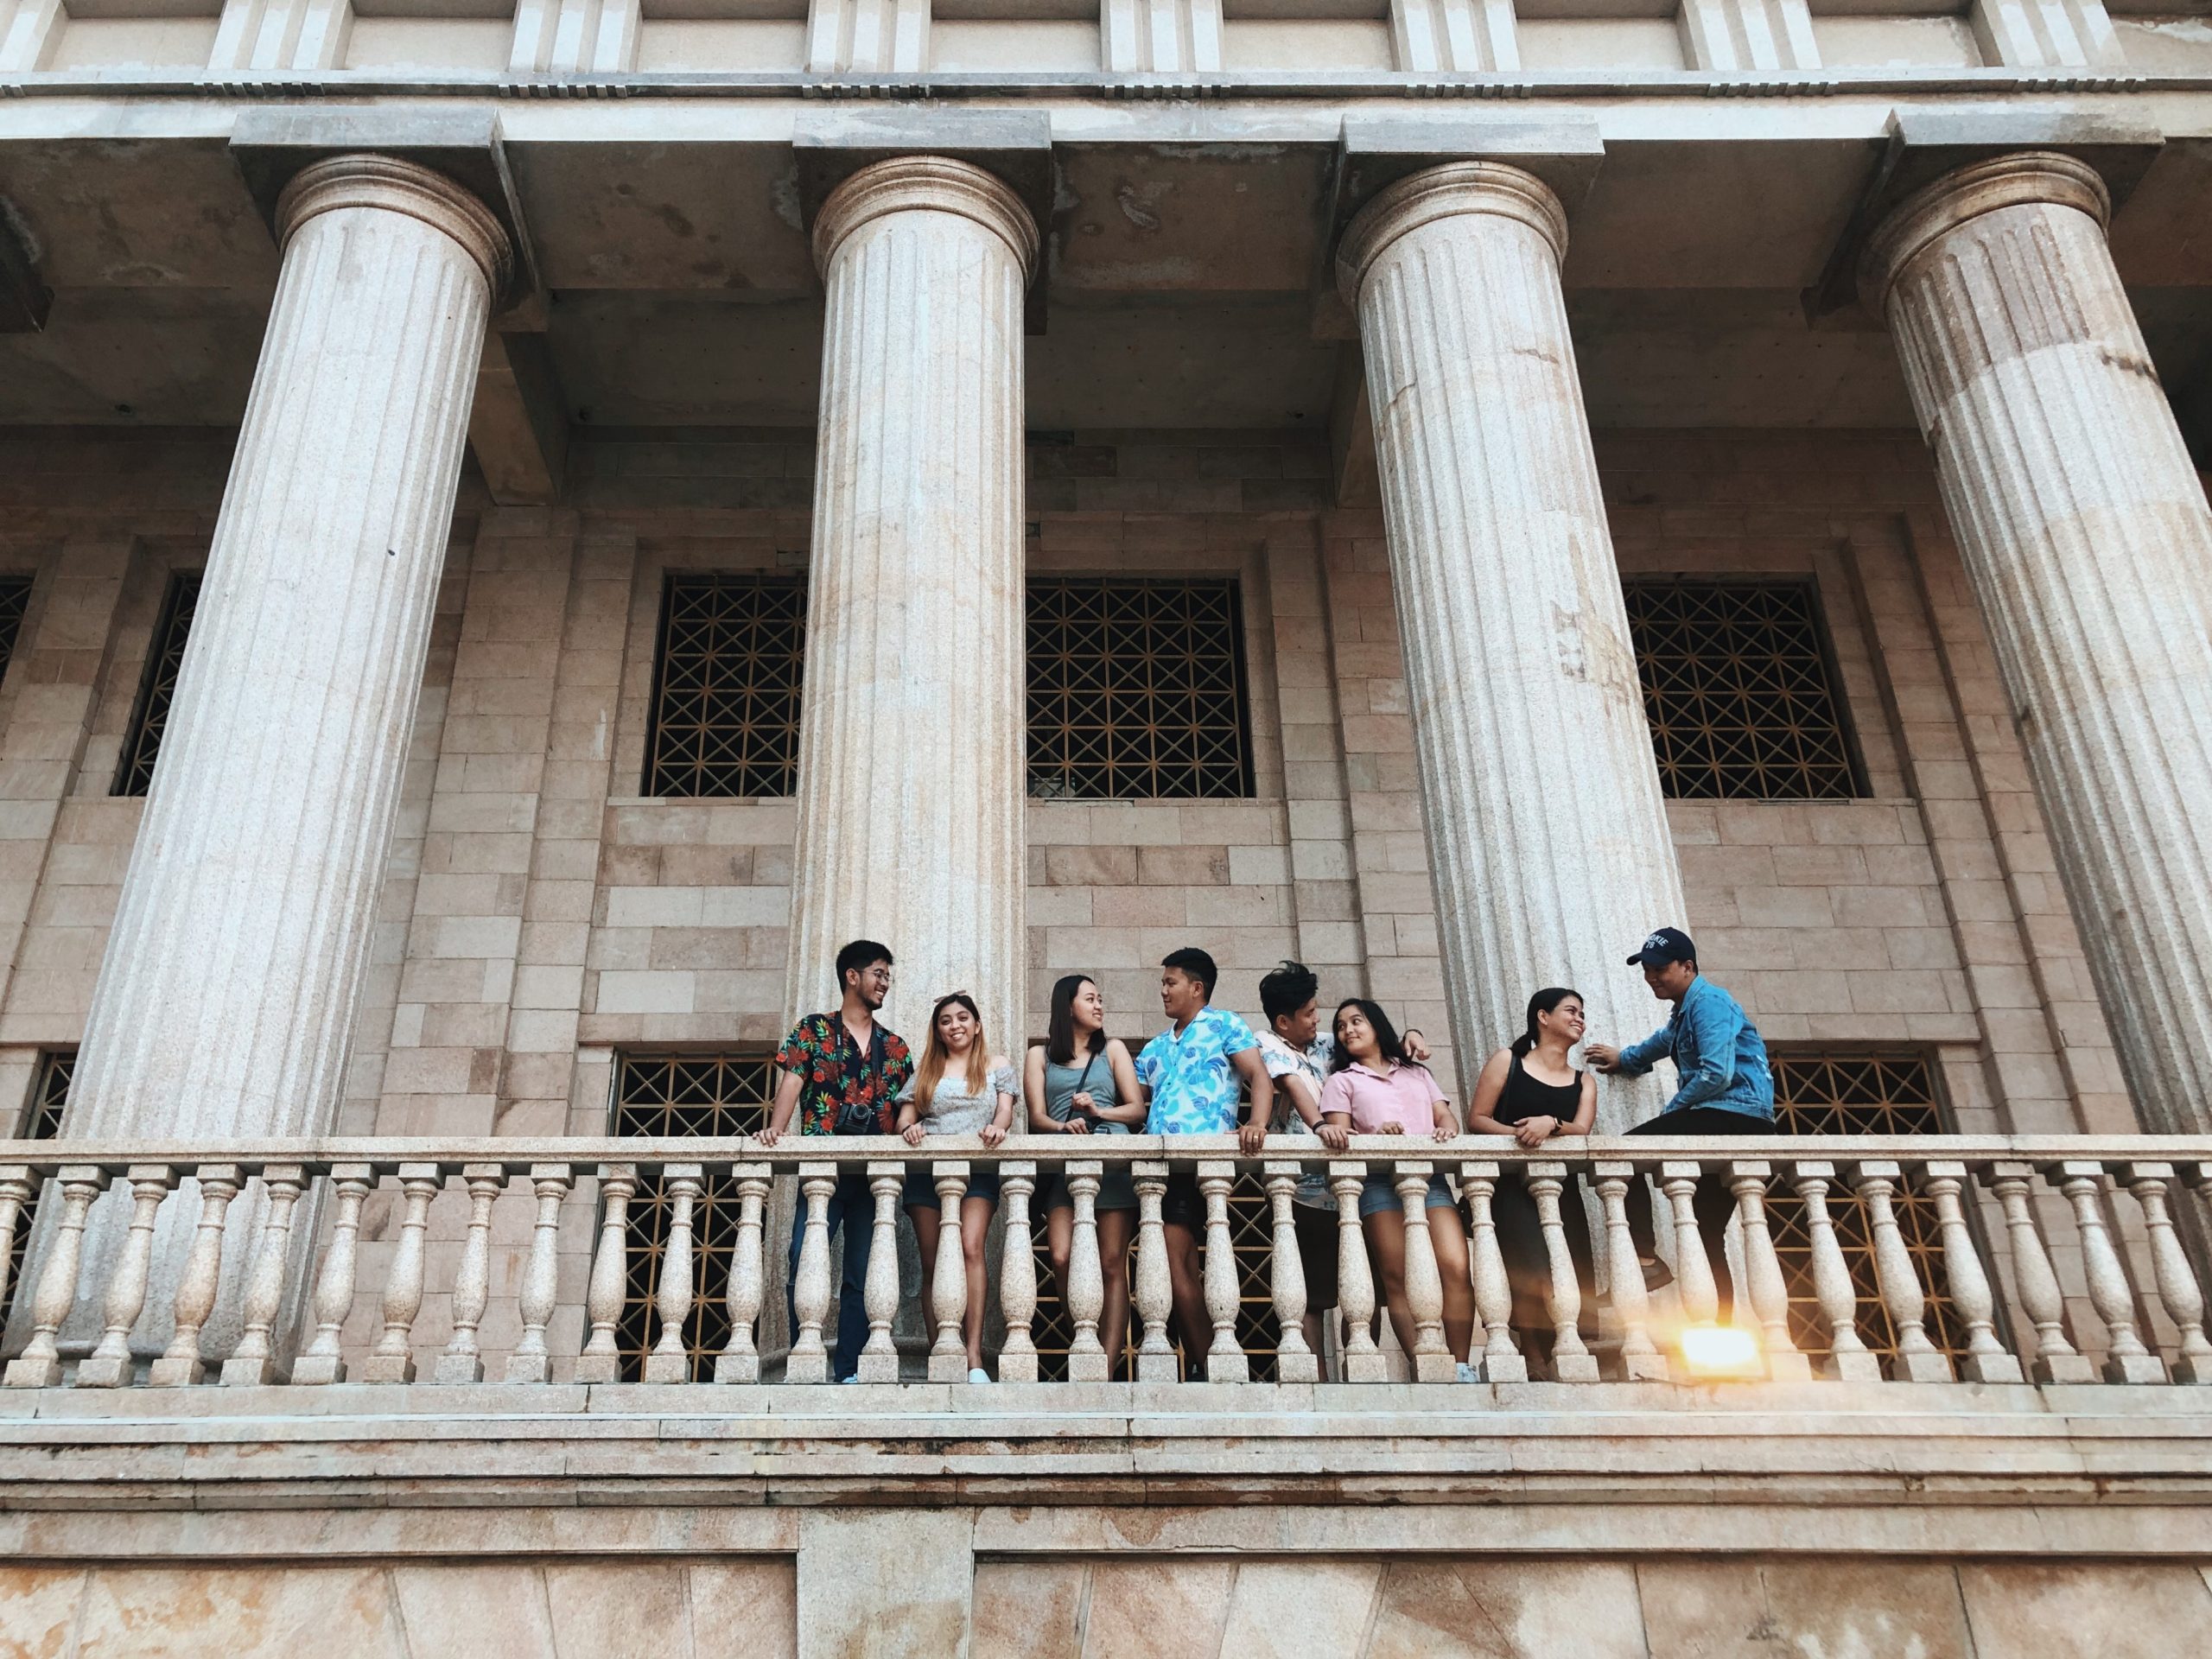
1137	690
722	1096
150	715
726	686
1859	1093
1740	690
42	1122
14	600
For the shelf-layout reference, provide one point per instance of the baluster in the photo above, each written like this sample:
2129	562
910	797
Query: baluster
1018	1274
16	1189
1363	1360
392	1358
38	1366
2126	1360
1848	1358
109	1365
1917	1359
600	1361
318	1362
879	1359
1086	1290
253	1362
1225	1360
1153	1293
949	1289
1770	1299
1693	1285
1640	1360
1987	1359
463	1358
671	1359
179	1367
2056	1359
1502	1362
1294	1361
2177	1287
1572	1361
1432	1360
532	1362
809	1361
740	1360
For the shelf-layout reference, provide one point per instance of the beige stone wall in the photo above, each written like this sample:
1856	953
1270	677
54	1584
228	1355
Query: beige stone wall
539	915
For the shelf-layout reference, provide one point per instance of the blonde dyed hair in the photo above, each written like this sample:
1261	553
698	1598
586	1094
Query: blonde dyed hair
936	1057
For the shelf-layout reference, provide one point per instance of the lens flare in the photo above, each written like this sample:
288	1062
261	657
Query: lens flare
1720	1351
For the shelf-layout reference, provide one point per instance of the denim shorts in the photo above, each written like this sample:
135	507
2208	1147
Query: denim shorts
921	1189
1378	1194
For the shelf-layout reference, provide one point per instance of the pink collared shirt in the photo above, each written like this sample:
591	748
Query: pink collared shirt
1406	1096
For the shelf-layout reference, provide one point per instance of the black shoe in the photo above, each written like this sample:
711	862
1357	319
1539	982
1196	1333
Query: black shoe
1657	1275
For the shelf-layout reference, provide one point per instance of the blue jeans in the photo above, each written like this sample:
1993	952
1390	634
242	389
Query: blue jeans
850	1201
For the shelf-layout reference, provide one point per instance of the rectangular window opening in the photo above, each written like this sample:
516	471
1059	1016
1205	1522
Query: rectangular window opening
42	1120
1741	690
727	672
150	715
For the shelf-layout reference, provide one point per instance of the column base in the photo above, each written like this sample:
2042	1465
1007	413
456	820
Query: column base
1228	1367
24	1372
1090	1367
1924	1368
1792	1367
1858	1366
2064	1368
1575	1368
807	1368
599	1368
1990	1367
1439	1368
1298	1368
884	1367
2134	1368
2194	1369
248	1373
104	1371
1159	1368
949	1368
1506	1368
521	1367
392	1368
167	1373
1644	1368
1018	1368
668	1368
738	1368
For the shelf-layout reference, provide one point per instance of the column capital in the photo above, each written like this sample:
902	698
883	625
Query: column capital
368	179
2022	178
1446	192
925	184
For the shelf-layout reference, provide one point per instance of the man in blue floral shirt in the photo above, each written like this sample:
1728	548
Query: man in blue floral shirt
841	1072
1191	1074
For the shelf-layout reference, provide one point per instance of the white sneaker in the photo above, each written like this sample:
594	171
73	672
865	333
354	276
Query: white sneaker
979	1374
1465	1373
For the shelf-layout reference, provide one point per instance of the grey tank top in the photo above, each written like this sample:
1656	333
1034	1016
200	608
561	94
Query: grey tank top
1064	1083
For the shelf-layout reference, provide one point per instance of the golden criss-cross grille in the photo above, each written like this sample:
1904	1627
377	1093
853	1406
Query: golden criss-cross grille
1137	689
1859	1094
150	715
42	1122
1739	691
720	1097
726	686
15	599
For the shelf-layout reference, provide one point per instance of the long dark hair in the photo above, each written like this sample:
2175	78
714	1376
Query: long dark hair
1059	1037
1386	1034
1544	1001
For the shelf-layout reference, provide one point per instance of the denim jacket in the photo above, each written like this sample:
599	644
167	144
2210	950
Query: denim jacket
1719	1060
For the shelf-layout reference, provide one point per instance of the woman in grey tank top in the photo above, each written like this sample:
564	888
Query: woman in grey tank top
1080	1081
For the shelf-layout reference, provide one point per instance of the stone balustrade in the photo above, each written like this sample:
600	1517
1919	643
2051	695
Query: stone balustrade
2085	1229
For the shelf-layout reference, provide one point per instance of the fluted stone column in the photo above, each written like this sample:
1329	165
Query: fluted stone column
226	1003
1547	841
2084	531
910	773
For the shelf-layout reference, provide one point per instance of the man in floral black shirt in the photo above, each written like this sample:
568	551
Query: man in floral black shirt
840	1073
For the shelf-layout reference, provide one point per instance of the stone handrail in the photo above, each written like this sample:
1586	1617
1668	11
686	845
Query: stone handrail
2088	1175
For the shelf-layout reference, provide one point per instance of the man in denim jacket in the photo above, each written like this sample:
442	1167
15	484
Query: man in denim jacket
1723	1086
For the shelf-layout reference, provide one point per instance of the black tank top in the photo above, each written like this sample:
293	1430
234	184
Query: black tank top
1524	1097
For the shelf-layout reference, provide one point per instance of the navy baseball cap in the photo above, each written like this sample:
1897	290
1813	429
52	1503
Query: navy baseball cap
1662	946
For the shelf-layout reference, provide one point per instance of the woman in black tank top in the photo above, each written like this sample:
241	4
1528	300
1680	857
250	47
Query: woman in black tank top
1511	1099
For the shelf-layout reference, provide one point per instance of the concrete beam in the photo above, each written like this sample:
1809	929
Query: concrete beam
24	296
518	427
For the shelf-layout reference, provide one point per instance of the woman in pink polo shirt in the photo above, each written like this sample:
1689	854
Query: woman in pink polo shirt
1375	1089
